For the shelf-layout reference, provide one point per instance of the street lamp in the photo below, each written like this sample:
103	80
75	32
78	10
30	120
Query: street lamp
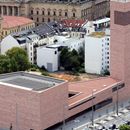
94	90
64	117
117	100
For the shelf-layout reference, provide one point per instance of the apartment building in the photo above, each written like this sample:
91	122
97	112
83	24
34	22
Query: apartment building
97	52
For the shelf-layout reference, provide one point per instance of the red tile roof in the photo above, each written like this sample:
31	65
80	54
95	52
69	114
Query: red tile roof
85	88
72	23
14	21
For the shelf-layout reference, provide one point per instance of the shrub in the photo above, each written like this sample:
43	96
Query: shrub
124	127
45	73
33	69
81	70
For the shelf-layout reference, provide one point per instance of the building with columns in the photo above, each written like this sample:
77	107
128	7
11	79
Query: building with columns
50	10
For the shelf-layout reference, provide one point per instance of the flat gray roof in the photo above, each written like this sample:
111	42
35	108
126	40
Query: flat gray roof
30	81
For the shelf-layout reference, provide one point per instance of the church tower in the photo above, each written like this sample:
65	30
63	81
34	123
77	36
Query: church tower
120	40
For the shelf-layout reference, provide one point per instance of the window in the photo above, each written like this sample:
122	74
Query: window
37	19
37	12
120	86
103	103
55	52
43	12
48	19
73	14
66	14
59	13
42	19
48	13
54	13
31	11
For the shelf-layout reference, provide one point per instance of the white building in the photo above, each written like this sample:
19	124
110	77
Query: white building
71	43
9	42
26	40
97	52
49	57
89	26
101	23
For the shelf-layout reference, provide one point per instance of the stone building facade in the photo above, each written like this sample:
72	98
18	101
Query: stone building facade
49	10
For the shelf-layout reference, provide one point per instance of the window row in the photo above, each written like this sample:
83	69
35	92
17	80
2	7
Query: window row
54	13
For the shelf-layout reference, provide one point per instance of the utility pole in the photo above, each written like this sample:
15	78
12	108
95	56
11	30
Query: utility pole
64	117
117	100
17	117
93	106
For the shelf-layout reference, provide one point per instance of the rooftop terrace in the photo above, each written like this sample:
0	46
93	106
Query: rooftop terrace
28	81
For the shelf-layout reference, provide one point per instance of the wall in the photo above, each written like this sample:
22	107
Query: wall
7	43
53	107
47	55
21	106
93	55
99	97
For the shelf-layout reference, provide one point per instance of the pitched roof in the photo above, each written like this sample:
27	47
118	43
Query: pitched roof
14	21
72	23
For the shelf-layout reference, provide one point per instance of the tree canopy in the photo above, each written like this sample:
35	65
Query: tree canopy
124	127
5	65
72	60
16	59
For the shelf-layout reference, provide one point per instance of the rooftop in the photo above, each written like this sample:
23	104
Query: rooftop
73	23
14	21
28	81
85	88
97	34
100	21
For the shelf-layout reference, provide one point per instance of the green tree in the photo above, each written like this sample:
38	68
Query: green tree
81	53
124	127
18	59
5	65
69	59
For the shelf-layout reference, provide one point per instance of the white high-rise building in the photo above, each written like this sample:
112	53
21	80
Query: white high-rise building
97	52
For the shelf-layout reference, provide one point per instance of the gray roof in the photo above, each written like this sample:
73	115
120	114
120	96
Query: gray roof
48	29
43	30
30	81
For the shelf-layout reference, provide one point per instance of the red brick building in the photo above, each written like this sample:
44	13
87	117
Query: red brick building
31	102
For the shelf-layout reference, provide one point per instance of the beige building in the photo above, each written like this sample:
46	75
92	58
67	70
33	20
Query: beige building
14	24
49	10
